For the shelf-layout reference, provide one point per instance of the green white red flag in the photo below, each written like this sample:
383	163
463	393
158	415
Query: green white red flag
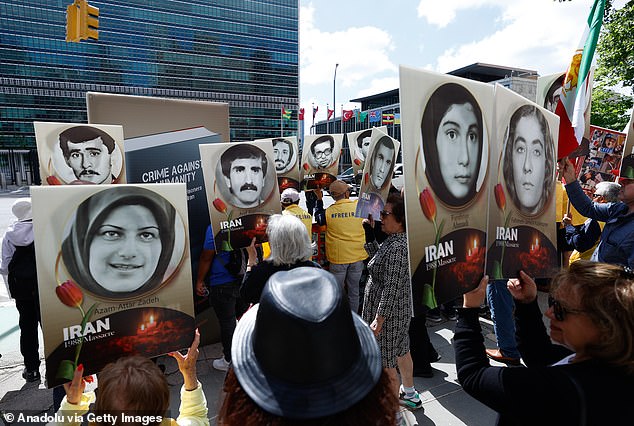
576	90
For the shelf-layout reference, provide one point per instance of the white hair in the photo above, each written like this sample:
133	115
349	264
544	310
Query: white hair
608	190
288	239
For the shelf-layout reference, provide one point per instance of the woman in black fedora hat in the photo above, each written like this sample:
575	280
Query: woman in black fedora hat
301	356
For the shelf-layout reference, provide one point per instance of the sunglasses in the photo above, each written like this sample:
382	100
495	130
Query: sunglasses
559	311
385	213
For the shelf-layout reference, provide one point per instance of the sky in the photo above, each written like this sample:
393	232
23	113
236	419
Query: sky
369	40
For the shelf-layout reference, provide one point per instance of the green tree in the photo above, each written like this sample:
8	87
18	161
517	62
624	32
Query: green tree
610	109
615	52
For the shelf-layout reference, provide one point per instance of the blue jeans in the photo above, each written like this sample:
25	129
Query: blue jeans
349	274
501	305
226	301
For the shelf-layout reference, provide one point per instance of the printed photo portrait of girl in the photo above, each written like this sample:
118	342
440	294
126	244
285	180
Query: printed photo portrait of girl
123	242
453	144
529	160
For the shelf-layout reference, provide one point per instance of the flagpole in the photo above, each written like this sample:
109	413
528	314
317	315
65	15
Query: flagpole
334	85
282	122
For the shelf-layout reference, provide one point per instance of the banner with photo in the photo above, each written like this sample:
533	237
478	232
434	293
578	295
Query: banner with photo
521	227
113	272
603	162
377	174
71	153
446	125
286	157
627	165
359	144
320	160
241	186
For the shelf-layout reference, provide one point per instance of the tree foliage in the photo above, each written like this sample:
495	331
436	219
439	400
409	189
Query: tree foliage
616	47
610	109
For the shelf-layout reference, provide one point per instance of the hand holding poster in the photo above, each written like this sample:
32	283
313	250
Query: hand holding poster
77	154
241	186
115	278
446	121
320	160
377	174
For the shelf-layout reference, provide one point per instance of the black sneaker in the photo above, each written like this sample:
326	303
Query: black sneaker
31	375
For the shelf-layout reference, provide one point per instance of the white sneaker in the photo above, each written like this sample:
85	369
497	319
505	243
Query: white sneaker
221	364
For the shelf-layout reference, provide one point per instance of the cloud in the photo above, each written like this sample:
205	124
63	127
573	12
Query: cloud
441	13
379	85
361	52
536	35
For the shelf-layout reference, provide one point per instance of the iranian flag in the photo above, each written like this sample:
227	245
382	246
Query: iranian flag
576	90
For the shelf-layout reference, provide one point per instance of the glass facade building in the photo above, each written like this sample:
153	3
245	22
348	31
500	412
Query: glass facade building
243	52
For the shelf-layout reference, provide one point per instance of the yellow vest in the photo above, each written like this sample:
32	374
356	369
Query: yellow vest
344	233
561	206
302	215
586	255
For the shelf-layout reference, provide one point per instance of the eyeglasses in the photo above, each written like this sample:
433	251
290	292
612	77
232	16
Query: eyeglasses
326	153
385	213
559	310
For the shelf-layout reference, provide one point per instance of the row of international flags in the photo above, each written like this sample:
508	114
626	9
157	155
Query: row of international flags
374	116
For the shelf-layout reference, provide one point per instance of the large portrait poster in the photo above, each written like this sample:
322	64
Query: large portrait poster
377	174
320	160
446	124
359	145
521	229
241	186
72	153
113	272
286	157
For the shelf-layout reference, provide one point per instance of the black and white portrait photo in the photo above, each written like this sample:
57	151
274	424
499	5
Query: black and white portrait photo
80	154
382	160
123	242
553	94
322	152
363	141
529	160
245	175
453	145
284	155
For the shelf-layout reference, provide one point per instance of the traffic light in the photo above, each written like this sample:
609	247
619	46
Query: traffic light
82	21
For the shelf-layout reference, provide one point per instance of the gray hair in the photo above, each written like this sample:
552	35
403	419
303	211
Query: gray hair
288	239
608	190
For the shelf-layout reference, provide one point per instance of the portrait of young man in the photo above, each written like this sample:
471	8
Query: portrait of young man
88	152
244	169
322	151
283	155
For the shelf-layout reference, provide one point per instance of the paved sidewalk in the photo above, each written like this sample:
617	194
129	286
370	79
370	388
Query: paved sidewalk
444	400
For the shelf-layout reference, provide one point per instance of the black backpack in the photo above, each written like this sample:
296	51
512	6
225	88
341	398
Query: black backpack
23	273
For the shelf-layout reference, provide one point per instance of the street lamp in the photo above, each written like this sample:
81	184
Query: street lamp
334	81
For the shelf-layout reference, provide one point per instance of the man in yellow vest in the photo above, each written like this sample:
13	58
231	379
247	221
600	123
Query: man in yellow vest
345	238
290	203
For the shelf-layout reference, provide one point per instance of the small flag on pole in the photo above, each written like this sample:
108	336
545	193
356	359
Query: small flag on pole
315	109
330	113
388	118
286	114
576	90
347	114
375	116
361	116
300	116
397	118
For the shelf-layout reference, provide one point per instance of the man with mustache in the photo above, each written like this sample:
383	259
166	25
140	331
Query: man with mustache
88	152
244	167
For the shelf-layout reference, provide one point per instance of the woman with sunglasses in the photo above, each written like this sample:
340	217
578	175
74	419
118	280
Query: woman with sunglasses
387	303
585	377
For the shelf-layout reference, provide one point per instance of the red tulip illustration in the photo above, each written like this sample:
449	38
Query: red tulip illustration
366	177
357	162
428	205
71	295
306	166
500	198
53	180
220	205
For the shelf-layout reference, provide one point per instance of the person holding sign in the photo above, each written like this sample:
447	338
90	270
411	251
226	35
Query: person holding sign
529	160
452	143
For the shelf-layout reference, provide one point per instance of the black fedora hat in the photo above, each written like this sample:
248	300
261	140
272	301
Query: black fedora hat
301	353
